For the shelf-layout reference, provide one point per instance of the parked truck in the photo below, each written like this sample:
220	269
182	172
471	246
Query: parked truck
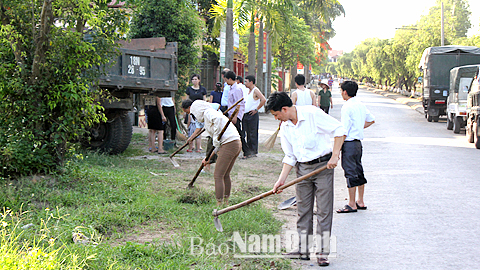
147	66
460	81
473	111
436	63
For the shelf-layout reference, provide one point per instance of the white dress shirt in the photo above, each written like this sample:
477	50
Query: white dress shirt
310	137
354	116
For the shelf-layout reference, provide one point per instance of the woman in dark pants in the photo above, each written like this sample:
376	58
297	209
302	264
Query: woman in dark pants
168	107
325	98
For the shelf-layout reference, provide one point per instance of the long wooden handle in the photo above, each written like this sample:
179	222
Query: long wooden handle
203	129
268	193
185	144
234	114
213	148
233	106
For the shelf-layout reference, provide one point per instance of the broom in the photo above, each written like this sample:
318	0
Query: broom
270	142
179	134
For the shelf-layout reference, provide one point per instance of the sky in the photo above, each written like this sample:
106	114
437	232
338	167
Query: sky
379	18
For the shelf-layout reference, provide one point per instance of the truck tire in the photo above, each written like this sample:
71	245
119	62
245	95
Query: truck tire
104	137
457	124
435	118
476	136
469	133
126	135
429	117
449	123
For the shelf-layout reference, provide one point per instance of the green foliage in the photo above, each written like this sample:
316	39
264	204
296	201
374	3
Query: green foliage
44	251
47	78
295	45
177	21
110	198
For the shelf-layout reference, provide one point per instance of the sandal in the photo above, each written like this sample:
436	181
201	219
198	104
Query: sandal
162	153
189	151
347	209
360	207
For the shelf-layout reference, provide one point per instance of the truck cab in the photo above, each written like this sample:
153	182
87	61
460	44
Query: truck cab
460	81
473	111
436	63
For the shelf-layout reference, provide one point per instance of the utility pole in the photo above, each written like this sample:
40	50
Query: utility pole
443	34
229	36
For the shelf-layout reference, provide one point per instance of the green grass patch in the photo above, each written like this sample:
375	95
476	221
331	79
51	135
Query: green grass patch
110	198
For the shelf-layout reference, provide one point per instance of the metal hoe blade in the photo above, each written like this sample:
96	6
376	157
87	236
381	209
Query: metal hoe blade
218	225
288	203
174	162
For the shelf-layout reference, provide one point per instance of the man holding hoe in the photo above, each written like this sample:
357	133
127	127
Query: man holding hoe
305	140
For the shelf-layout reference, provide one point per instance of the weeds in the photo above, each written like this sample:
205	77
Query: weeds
105	197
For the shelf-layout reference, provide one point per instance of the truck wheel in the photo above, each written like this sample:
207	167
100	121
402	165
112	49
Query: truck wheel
104	136
476	136
126	136
456	124
469	133
449	123
435	118
429	118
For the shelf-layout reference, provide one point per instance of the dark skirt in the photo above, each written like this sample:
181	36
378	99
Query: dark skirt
154	119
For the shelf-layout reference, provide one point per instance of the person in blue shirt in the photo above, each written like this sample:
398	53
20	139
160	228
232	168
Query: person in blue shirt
216	95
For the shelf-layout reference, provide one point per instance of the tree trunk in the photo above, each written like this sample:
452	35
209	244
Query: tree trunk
41	42
260	58
293	73
268	88
229	37
251	48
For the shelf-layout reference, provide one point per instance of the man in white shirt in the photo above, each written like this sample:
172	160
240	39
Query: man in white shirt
254	100
355	118
302	96
305	138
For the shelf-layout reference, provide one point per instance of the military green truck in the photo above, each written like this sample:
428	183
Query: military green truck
473	111
460	81
436	63
145	66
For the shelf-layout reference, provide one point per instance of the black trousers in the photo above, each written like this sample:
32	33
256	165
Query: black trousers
238	125
352	163
169	113
250	129
325	109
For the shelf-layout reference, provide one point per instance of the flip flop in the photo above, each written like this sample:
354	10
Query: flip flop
361	207
346	209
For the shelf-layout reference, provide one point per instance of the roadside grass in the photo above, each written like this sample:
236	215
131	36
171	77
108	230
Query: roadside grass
107	198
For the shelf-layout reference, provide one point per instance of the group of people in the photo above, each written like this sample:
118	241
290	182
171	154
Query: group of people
303	96
241	136
305	140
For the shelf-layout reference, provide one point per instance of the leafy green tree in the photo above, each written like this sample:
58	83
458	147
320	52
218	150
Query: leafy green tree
48	69
296	45
345	66
177	21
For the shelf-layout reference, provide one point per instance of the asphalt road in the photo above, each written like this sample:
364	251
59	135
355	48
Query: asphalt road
422	194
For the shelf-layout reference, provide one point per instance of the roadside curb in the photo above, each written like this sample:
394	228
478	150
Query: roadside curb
414	103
